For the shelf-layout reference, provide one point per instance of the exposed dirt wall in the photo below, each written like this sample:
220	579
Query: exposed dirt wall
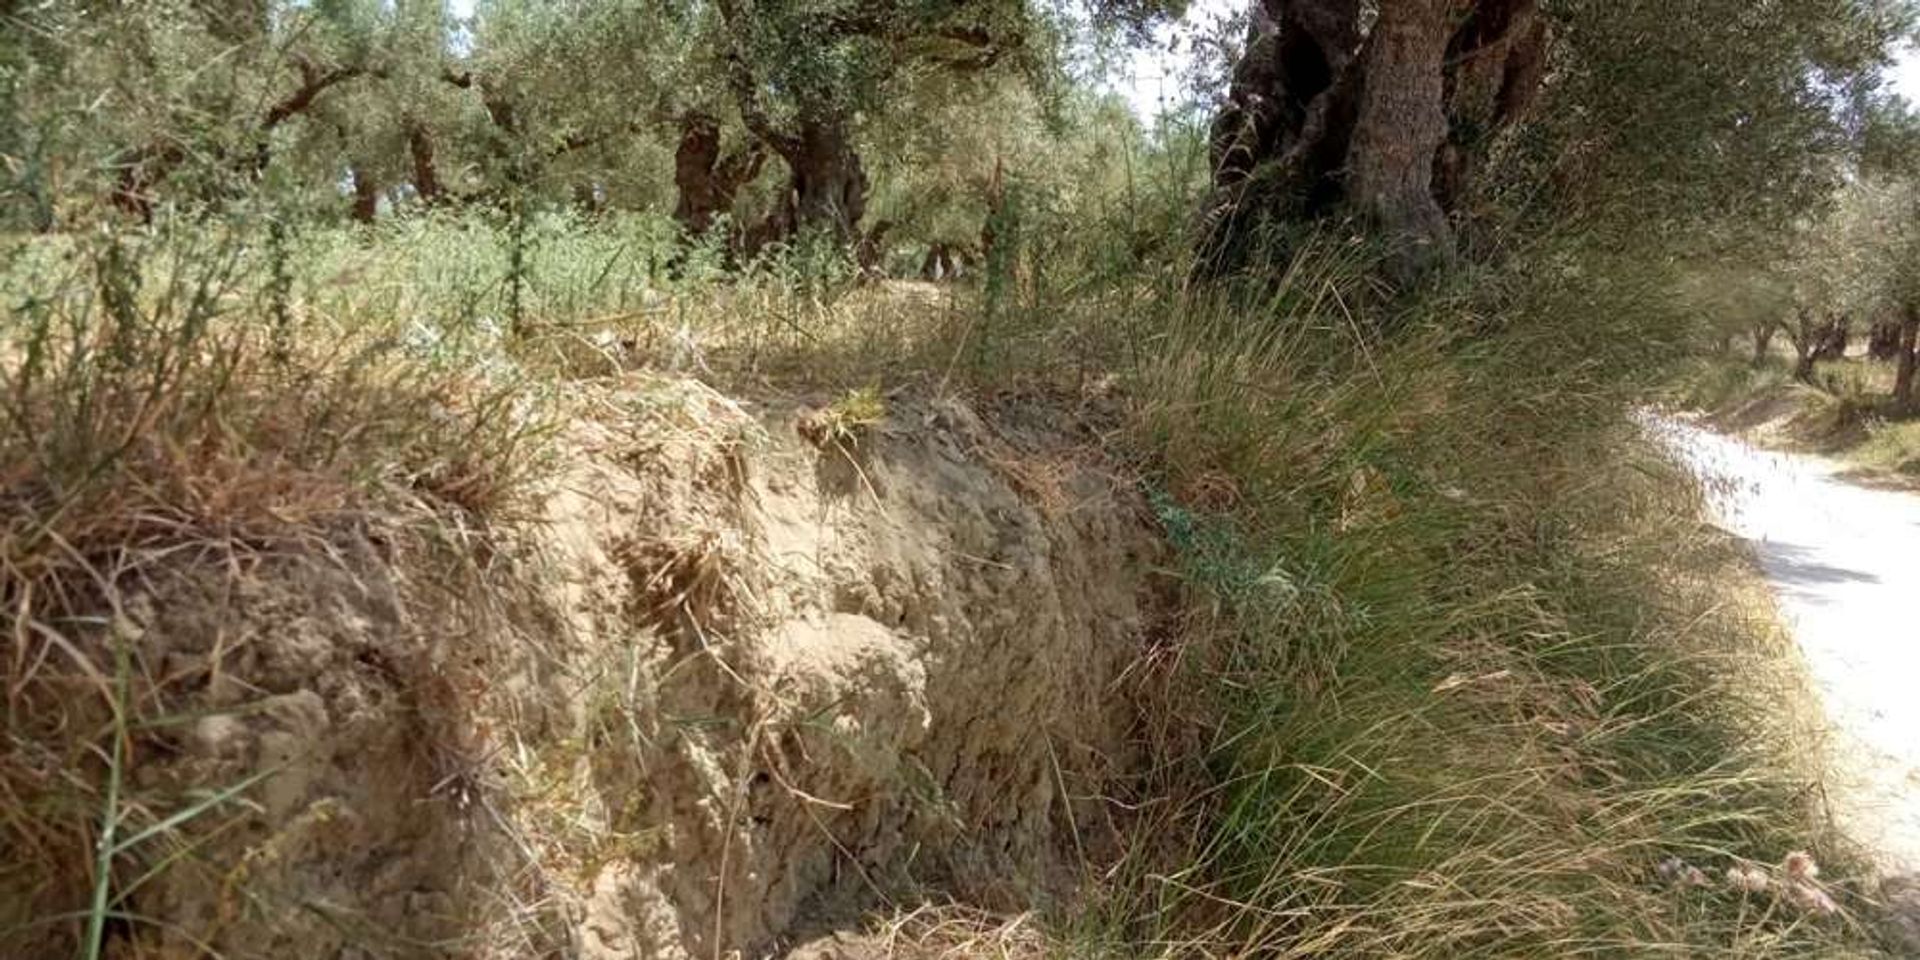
734	674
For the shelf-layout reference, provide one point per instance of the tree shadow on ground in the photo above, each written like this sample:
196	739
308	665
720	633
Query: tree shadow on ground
1797	568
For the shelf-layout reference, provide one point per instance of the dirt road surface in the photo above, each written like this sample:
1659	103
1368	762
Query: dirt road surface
1844	562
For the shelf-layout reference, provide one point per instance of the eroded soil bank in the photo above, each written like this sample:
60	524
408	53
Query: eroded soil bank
739	670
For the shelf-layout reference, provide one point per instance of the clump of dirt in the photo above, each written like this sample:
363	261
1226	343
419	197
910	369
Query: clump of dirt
729	676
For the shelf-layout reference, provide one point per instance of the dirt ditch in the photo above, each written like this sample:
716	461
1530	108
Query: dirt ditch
741	670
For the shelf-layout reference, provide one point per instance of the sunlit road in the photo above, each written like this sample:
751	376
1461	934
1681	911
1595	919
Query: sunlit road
1844	561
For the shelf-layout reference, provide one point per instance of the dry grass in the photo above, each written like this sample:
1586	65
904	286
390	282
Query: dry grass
155	426
1476	674
1457	671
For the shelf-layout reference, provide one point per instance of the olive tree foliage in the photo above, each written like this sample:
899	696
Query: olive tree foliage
1874	244
1828	277
1442	126
348	105
1736	298
806	75
1858	265
1849	262
958	175
567	102
118	100
361	105
940	165
760	114
583	98
1711	121
29	150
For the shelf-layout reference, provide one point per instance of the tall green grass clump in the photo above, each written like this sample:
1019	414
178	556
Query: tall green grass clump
1475	670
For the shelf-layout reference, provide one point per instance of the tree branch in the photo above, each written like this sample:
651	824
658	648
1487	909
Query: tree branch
148	165
580	141
866	20
746	94
312	84
738	168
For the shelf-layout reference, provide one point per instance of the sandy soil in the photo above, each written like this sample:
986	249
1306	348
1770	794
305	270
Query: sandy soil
742	672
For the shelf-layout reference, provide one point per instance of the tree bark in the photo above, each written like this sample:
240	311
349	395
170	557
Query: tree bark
140	173
1909	359
1835	336
1278	141
706	178
940	263
827	186
1397	136
829	183
1807	336
1282	86
1883	342
366	196
1497	60
426	173
1391	121
312	84
871	254
699	197
1762	340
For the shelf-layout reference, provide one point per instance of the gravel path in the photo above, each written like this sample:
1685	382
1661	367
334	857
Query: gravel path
1844	561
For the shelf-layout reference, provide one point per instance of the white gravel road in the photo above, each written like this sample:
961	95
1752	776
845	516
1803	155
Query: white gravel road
1844	561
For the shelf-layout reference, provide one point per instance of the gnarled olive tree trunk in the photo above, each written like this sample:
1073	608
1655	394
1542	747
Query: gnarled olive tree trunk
826	184
1399	127
1883	342
1762	342
1836	337
829	184
706	177
366	195
1807	333
1388	118
426	171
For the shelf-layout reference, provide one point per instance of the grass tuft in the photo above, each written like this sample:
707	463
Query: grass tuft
1460	672
150	424
1473	667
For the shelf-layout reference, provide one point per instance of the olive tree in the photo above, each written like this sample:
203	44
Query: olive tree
1424	120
